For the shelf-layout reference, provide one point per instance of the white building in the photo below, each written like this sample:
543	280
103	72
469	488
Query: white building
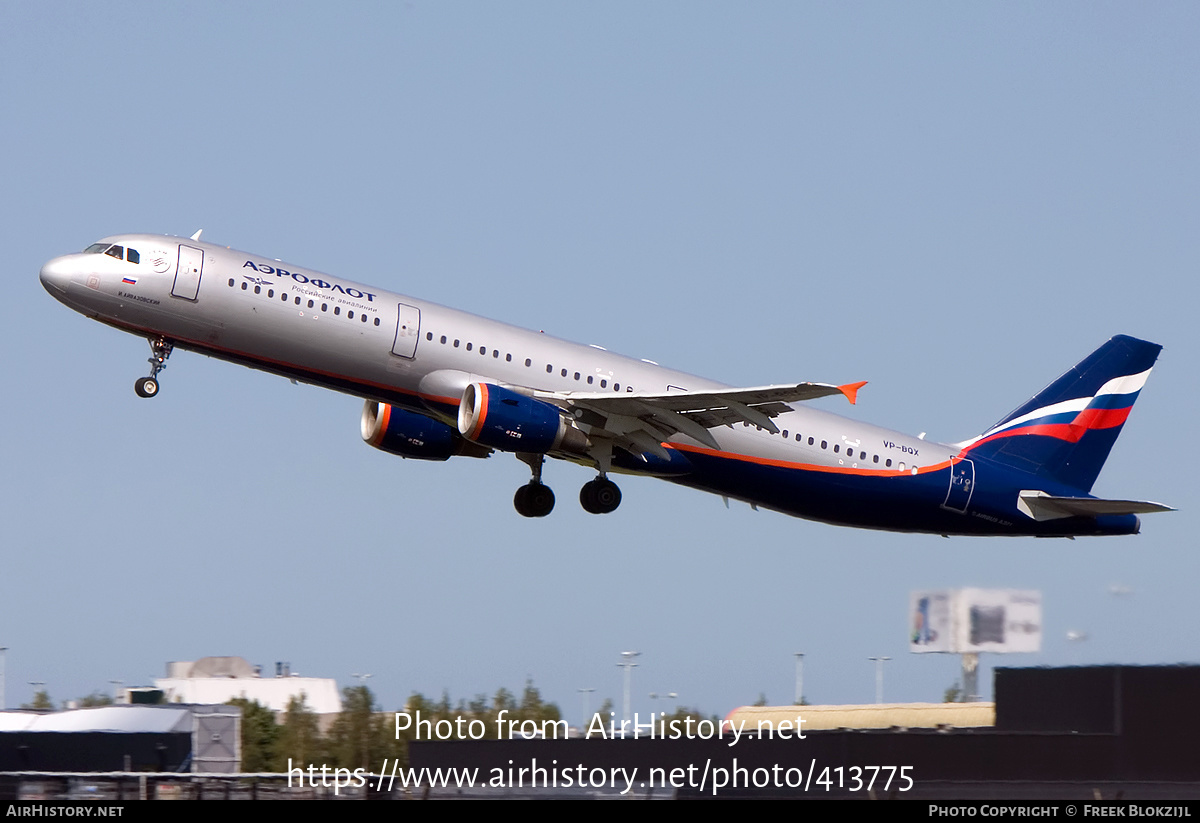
220	679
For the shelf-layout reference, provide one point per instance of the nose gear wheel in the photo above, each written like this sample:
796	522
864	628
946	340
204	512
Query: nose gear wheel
160	350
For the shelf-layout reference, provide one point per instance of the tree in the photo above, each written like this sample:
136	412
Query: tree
260	736
300	736
532	707
41	702
361	737
601	719
954	694
676	723
95	699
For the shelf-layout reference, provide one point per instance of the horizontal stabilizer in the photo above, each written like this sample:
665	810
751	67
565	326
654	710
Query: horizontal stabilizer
1041	506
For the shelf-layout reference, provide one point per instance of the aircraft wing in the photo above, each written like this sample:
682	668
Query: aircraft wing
640	422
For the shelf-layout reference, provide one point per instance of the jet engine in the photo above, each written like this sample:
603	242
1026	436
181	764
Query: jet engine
503	419
408	434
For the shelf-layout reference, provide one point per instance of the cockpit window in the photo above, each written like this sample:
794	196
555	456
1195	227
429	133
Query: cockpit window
118	252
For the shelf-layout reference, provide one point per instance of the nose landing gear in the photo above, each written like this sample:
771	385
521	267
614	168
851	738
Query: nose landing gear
146	387
160	350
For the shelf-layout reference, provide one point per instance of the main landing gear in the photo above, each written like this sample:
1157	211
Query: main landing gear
535	499
160	350
600	496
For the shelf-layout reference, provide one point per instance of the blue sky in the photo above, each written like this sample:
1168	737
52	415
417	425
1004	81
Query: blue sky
954	202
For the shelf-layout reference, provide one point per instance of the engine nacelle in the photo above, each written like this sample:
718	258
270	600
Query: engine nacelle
503	419
408	434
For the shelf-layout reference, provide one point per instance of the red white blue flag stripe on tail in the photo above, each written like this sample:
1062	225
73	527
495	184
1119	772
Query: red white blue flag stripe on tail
1064	433
1070	419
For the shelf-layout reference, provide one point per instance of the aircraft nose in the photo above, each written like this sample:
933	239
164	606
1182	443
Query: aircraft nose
56	275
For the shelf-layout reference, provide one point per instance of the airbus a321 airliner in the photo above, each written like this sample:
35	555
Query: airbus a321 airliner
440	382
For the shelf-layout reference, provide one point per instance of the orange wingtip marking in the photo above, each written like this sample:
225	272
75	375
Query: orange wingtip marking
851	391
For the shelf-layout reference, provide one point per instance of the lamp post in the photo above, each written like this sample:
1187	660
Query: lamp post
628	665
585	696
879	661
799	678
668	696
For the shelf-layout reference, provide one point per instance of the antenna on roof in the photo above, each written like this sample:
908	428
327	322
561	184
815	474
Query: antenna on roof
196	236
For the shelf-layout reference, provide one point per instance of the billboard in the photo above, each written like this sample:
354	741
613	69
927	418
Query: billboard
975	620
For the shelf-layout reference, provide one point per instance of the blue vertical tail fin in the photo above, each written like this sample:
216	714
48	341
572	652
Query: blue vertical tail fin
1066	431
